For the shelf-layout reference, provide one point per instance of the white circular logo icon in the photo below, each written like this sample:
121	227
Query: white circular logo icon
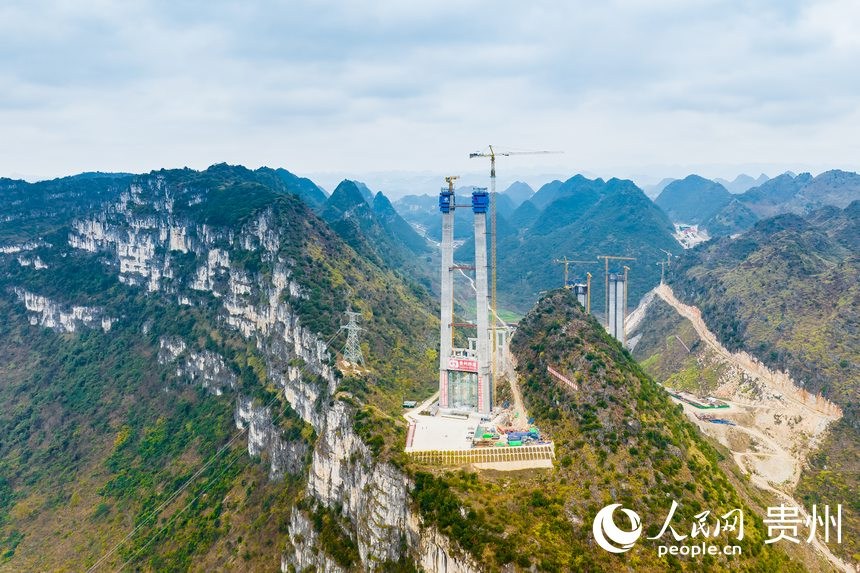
609	536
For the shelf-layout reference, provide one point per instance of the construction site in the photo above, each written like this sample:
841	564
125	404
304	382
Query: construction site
463	423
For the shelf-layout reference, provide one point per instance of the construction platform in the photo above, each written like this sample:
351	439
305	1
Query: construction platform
501	458
706	403
467	438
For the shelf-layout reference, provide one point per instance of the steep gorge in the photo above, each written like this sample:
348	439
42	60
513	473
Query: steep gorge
265	276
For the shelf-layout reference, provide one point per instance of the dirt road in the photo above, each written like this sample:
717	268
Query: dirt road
763	444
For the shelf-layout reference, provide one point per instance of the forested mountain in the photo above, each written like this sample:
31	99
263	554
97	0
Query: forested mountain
183	327
787	292
585	219
579	218
693	199
30	209
618	437
787	193
525	216
731	219
773	197
301	186
373	229
142	323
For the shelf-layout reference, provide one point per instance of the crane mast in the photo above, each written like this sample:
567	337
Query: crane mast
566	262
492	155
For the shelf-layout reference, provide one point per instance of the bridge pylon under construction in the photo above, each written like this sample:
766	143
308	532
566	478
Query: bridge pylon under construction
465	374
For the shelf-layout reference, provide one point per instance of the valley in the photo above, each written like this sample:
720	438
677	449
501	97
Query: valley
221	294
429	287
774	425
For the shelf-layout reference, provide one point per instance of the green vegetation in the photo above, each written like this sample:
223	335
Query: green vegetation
618	439
787	292
95	429
333	537
97	433
582	219
671	351
693	199
30	209
786	193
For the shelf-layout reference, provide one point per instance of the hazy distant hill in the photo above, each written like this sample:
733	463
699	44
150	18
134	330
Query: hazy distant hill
366	193
505	206
301	186
741	183
693	199
423	211
653	191
774	196
836	188
525	215
787	193
397	226
733	218
546	194
587	218
519	192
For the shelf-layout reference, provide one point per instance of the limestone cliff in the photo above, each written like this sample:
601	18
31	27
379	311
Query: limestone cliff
140	234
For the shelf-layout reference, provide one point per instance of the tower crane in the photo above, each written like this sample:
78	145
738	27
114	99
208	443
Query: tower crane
492	154
566	262
662	265
665	264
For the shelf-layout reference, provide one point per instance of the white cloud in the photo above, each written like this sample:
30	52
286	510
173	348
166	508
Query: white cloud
388	85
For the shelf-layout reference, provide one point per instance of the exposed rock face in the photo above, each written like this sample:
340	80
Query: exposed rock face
305	554
206	367
139	232
436	553
263	436
53	315
36	262
375	497
13	249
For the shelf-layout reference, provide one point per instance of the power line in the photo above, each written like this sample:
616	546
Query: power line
182	488
212	482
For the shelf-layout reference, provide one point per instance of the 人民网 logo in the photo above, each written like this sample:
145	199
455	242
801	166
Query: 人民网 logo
609	536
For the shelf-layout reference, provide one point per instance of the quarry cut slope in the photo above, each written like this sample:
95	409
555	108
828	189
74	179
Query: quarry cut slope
778	425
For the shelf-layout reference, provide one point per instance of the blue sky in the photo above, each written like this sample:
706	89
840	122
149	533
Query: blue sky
630	88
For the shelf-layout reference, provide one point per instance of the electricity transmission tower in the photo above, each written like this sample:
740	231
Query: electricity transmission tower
352	350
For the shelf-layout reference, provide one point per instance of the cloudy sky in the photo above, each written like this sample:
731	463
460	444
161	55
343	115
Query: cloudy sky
641	88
